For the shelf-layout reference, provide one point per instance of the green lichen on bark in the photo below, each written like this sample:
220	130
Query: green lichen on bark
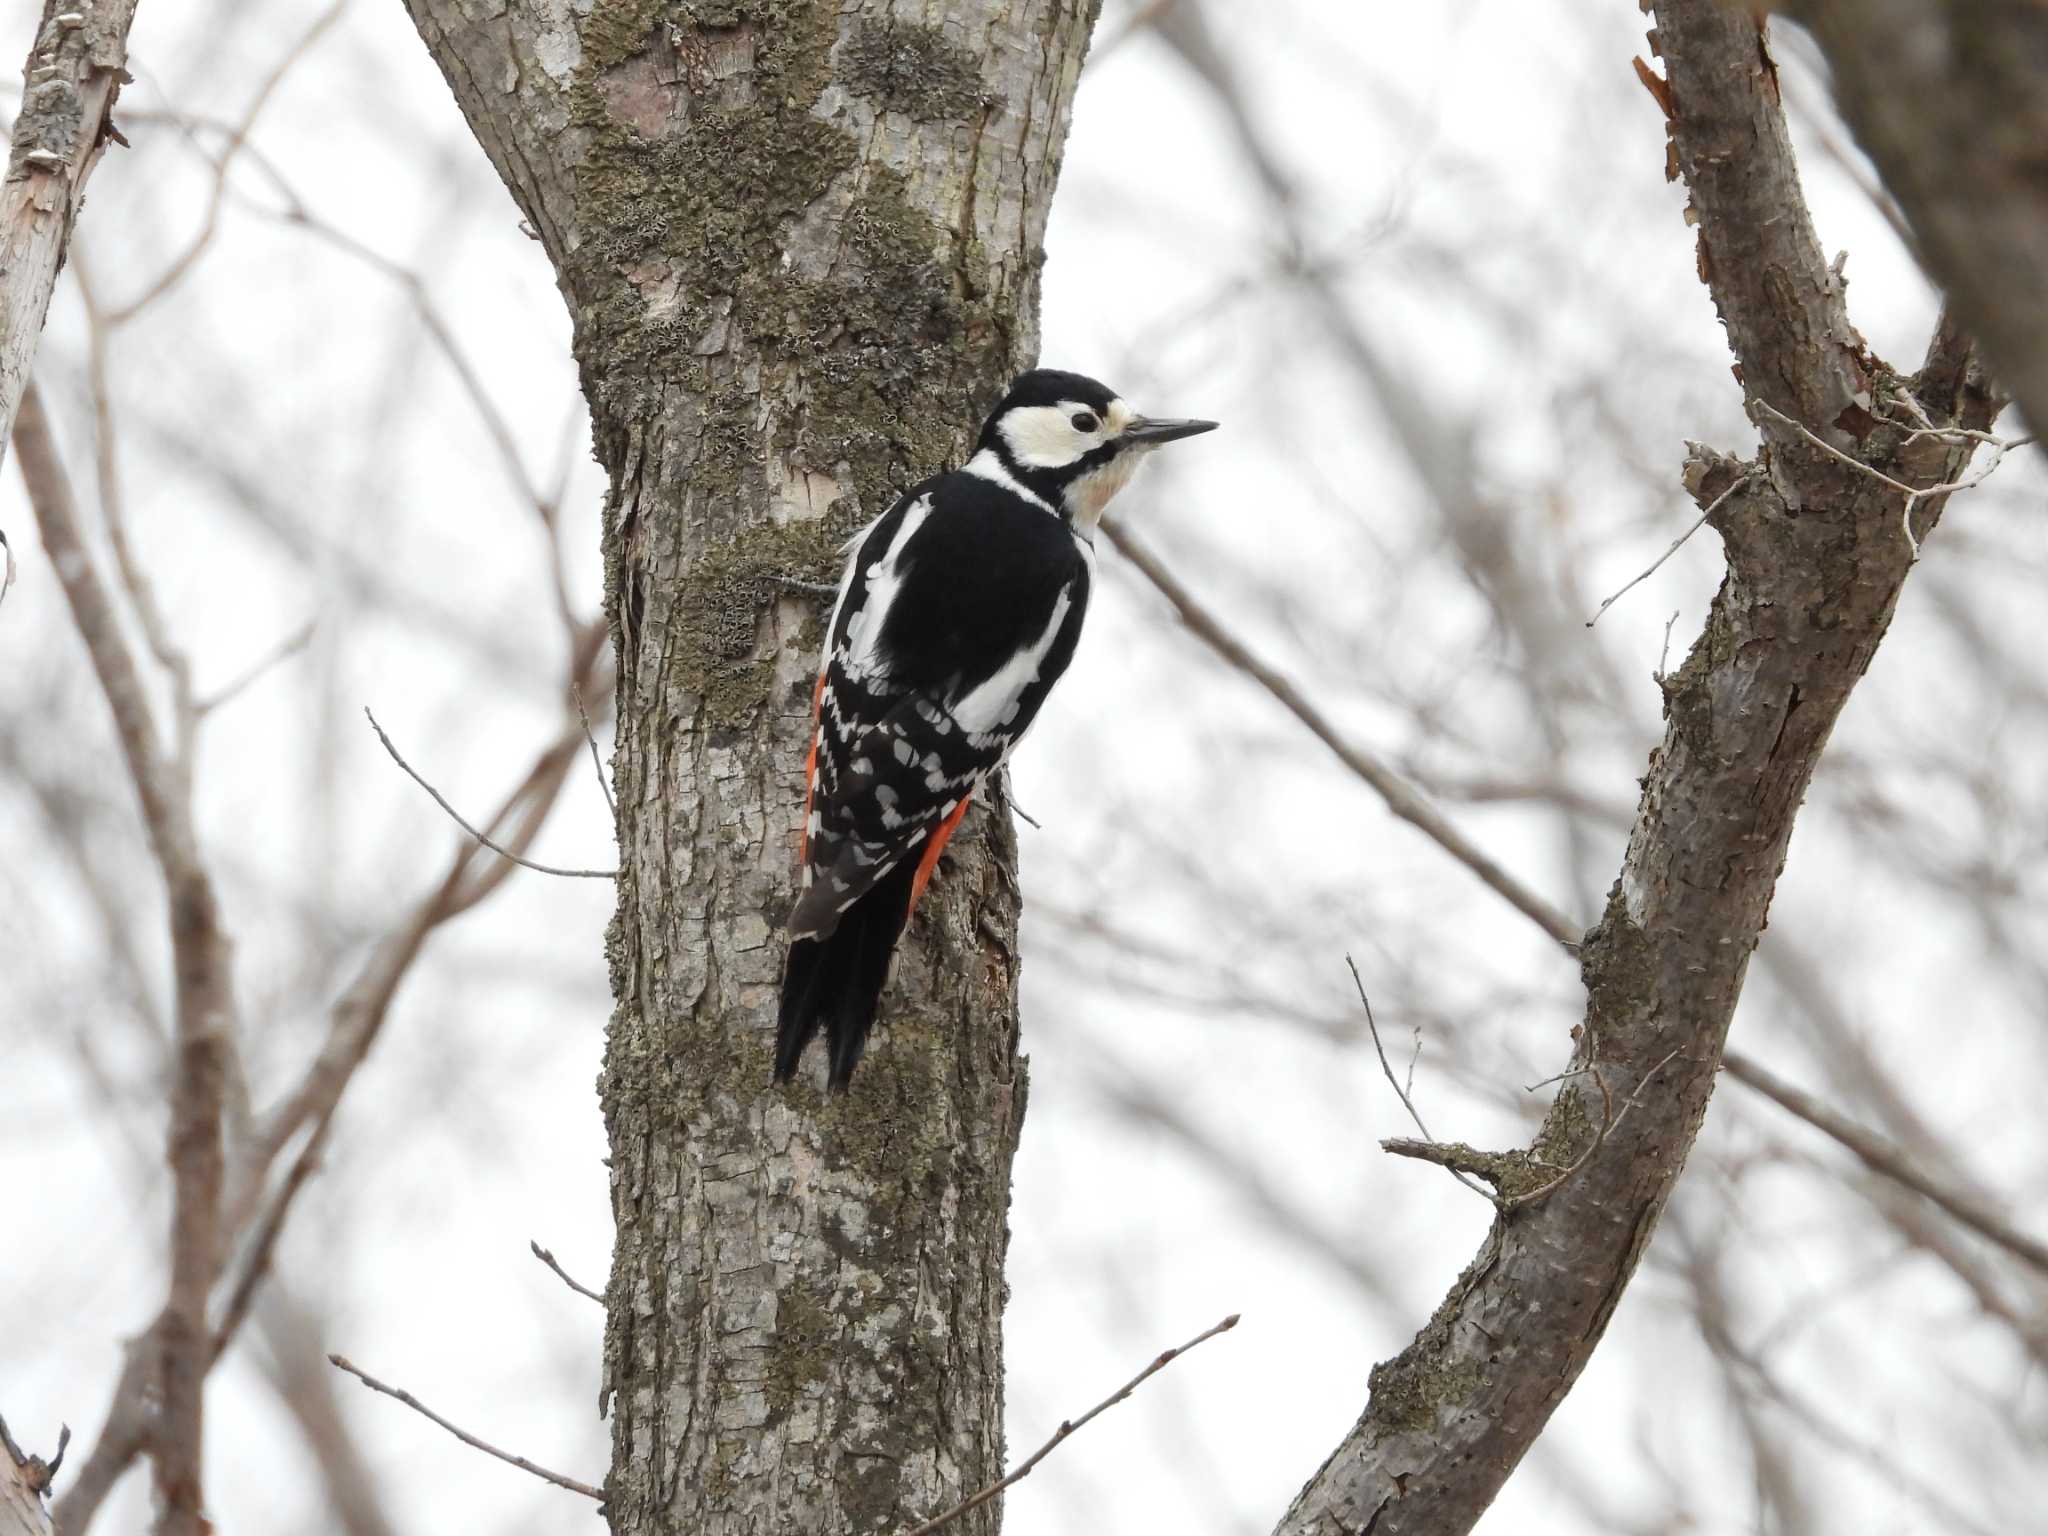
1408	1390
1567	1131
879	1129
781	306
913	69
686	234
717	648
1618	965
804	1346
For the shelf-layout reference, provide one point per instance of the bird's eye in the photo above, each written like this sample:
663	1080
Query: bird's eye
1084	421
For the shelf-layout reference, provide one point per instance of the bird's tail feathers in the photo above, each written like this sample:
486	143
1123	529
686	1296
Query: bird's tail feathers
835	982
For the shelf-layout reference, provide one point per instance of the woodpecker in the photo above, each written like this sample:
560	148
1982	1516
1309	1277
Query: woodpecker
959	609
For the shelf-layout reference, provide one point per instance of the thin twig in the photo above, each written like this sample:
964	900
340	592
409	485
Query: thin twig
1999	446
1394	790
405	1397
1883	1157
36	1473
1610	1122
1399	797
149	614
566	1278
1664	653
456	816
1406	1102
1676	545
976	1500
596	761
1498	1166
283	652
263	1243
237	137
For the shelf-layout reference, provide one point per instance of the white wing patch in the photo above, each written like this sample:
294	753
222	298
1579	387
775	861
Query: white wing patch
884	581
990	706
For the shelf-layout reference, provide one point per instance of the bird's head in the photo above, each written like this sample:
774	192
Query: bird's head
1074	442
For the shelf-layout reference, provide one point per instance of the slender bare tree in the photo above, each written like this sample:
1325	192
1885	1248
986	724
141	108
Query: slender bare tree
1820	529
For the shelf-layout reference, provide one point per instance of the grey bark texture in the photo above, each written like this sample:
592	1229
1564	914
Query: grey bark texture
74	72
23	1480
1950	99
1816	558
801	243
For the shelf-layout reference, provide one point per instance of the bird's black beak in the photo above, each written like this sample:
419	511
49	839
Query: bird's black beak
1149	432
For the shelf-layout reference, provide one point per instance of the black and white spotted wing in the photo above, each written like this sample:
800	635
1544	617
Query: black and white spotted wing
959	610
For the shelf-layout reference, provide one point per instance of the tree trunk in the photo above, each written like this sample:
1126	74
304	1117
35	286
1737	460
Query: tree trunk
801	245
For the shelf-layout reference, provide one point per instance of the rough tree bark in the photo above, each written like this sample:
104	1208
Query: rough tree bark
69	83
800	242
1816	558
23	1481
1950	98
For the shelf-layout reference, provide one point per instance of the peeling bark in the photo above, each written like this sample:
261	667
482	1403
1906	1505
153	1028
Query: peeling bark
1950	99
1816	558
801	245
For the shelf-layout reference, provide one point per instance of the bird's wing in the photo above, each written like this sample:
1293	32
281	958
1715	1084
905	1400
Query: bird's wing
909	722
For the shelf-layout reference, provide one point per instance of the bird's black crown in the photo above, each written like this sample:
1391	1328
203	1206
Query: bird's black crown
1048	386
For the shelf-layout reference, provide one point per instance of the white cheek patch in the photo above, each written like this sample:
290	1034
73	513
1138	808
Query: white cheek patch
1119	417
1043	436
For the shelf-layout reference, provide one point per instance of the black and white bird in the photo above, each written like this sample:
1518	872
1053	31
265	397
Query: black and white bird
959	610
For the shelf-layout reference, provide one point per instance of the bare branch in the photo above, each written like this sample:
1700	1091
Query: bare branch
456	816
1456	1411
1510	1172
256	1263
289	647
1999	447
405	1397
1399	797
1676	544
35	1472
604	783
74	73
1610	1121
205	1007
563	1275
1400	1092
156	631
24	1479
1881	1157
976	1500
238	135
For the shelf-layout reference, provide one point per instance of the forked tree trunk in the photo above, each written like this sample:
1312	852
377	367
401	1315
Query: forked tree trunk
801	243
